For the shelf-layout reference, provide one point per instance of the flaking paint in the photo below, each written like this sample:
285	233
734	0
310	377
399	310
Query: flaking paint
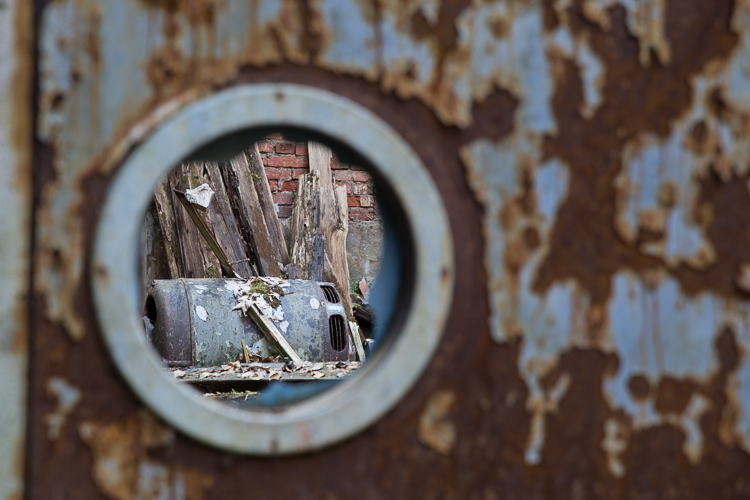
15	191
658	320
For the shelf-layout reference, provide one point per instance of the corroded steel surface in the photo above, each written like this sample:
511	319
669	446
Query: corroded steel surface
594	160
15	224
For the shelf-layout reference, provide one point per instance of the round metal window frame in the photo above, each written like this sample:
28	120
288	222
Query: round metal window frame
343	410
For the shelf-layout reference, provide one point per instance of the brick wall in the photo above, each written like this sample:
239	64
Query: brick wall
285	161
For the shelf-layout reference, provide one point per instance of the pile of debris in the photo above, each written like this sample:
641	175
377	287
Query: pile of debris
304	370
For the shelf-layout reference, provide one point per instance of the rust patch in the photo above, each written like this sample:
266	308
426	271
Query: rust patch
639	387
311	38
493	117
700	140
122	468
673	395
167	67
725	206
166	5
419	26
743	277
435	429
583	244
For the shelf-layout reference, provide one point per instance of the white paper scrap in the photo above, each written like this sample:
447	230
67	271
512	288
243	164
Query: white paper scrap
200	196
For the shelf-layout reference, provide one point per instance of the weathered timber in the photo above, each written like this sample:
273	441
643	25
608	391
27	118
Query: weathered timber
336	251
166	214
357	340
307	245
272	333
154	264
334	222
265	198
250	215
226	228
204	227
198	260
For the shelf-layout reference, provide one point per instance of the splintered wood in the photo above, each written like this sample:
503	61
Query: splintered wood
332	222
254	213
237	232
308	251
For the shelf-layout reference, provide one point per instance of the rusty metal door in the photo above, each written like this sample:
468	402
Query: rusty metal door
594	162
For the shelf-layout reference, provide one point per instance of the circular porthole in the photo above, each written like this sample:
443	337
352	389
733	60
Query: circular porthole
418	271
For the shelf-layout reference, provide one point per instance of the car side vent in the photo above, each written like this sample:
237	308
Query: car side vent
330	294
337	328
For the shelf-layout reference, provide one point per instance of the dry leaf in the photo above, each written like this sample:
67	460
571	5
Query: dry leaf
178	373
319	375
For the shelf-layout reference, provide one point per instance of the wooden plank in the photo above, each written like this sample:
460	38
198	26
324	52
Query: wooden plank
198	260
165	211
154	265
204	227
334	222
250	217
357	339
265	198
337	250
307	254
224	225
273	335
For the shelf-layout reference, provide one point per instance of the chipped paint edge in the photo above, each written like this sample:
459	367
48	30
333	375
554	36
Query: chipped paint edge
15	142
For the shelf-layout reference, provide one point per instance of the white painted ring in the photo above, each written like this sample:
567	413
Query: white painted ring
347	408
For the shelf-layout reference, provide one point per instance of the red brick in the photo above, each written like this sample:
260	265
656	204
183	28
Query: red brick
301	150
265	160
366	201
272	173
355	167
283	198
285	211
361	188
347	185
285	148
287	161
272	185
356	213
265	147
289	186
352	201
275	137
296	172
285	174
349	175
